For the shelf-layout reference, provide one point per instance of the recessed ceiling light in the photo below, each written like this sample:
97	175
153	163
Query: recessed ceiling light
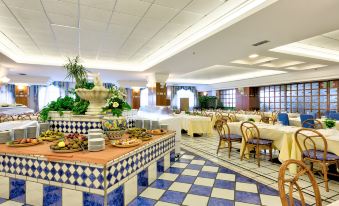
253	56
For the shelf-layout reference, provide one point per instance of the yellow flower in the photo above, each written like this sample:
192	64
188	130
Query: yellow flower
115	104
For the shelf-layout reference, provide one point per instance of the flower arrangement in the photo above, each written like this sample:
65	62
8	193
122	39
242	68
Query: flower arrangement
116	103
330	123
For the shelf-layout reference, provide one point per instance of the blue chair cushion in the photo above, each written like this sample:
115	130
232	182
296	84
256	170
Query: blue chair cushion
283	118
320	155
233	136
334	116
304	117
261	141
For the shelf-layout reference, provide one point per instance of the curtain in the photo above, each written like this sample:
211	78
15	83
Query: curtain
143	97
175	99
34	97
65	87
48	94
7	94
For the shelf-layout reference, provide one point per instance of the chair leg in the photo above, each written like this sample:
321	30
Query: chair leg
271	153
219	146
258	155
325	176
229	149
243	152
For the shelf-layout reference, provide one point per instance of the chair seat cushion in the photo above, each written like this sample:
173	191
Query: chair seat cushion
232	136
261	141
320	155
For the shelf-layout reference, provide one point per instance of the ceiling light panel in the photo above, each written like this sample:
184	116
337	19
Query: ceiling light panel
253	61
306	66
281	63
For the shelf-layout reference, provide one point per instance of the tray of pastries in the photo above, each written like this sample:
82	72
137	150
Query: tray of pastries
24	142
157	131
124	143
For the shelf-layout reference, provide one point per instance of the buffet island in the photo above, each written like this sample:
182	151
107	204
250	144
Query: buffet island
114	176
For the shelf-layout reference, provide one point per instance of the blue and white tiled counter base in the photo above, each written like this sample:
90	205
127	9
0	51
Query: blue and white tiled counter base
37	181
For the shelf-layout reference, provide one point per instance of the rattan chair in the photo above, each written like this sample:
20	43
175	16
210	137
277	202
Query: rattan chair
310	152
293	184
251	135
226	135
312	123
26	116
268	120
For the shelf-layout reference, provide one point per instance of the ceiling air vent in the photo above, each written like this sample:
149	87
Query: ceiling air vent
260	43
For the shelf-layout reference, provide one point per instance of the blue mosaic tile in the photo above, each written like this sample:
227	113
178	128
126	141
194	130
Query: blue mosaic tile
92	199
211	175
161	184
116	197
247	197
160	166
172	156
173	197
220	202
141	201
17	190
241	178
2	200
194	167
52	195
224	184
142	180
174	170
200	190
186	179
263	189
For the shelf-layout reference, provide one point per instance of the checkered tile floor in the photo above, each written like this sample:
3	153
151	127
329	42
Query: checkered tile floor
196	181
267	173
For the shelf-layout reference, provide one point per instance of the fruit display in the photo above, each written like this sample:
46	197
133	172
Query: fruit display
129	142
156	131
51	135
139	133
23	142
71	143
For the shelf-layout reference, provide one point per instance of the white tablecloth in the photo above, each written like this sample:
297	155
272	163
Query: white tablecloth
15	110
245	117
11	125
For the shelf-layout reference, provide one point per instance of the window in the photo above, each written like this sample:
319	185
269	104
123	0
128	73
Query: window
309	97
227	97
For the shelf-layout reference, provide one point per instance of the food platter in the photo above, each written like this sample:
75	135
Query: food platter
157	132
66	151
125	143
12	144
51	136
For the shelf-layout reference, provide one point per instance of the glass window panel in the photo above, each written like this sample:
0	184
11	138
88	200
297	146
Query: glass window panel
300	86
277	105
315	99
323	91
288	105
271	88
323	105
308	105
288	93
271	105
315	92
323	98
333	91
294	99
294	93
314	105
294	87
307	99
315	85
333	106
283	105
307	92
308	86
301	99
333	98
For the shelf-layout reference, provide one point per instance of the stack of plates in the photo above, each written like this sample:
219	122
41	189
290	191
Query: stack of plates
5	136
90	131
96	142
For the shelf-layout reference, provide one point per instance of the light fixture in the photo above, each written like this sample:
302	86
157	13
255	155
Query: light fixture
253	56
21	87
4	80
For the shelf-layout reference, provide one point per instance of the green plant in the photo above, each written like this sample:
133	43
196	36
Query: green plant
330	123
61	104
187	112
116	106
250	120
76	71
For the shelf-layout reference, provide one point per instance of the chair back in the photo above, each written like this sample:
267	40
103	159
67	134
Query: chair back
312	123
304	117
293	183
328	113
306	141
249	130
334	116
283	118
222	128
233	117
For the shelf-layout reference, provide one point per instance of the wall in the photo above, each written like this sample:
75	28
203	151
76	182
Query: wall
248	99
21	95
161	95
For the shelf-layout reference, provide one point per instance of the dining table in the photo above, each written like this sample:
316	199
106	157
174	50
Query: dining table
15	110
196	124
297	122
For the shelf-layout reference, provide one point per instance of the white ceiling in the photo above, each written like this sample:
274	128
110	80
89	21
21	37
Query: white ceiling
160	33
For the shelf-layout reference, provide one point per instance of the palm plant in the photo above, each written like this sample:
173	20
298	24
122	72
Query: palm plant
76	71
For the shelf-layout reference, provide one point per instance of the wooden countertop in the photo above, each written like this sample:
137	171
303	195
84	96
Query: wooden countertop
101	157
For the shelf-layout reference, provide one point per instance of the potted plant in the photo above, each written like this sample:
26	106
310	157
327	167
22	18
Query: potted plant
329	123
250	120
